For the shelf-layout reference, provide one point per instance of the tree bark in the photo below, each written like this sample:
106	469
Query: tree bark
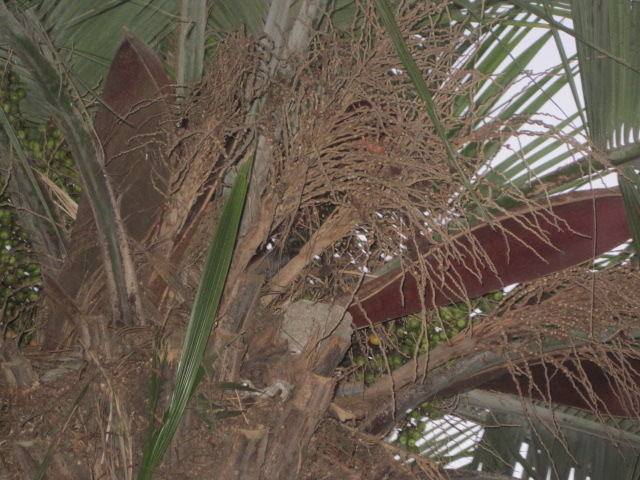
277	450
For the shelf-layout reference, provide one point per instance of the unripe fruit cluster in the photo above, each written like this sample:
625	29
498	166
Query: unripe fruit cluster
42	143
416	427
383	348
11	93
21	278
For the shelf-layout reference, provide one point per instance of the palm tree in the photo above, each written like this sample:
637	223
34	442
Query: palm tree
324	144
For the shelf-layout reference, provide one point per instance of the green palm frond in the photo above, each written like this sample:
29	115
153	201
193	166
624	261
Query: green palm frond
612	88
227	16
191	46
558	439
77	129
89	33
85	37
567	68
203	315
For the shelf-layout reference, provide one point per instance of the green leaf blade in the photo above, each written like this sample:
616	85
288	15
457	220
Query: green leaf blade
203	314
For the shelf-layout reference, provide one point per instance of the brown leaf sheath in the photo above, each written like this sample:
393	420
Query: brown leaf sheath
535	241
136	90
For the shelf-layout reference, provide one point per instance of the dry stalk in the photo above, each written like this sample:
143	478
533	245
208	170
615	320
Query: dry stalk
116	434
343	131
